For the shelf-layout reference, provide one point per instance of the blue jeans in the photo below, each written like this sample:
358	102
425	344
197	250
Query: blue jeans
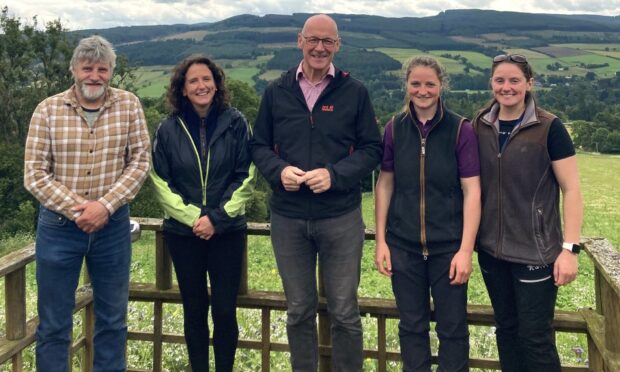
338	244
60	250
414	280
523	299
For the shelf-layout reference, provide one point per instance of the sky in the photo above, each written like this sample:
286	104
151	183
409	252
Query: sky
83	14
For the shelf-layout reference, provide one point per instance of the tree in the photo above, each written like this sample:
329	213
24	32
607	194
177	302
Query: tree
599	137
612	145
33	65
244	98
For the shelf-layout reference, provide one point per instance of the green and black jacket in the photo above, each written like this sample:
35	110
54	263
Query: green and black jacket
188	189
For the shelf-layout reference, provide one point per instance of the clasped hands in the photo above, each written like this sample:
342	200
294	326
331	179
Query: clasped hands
318	180
92	216
203	228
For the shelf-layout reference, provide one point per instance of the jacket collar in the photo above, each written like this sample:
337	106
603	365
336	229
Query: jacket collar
289	81
491	117
222	120
436	118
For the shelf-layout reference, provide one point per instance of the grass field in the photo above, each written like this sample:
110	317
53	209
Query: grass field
153	80
403	55
271	75
609	71
600	175
400	54
475	58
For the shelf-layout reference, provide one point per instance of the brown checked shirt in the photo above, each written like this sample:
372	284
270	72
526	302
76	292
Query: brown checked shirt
67	163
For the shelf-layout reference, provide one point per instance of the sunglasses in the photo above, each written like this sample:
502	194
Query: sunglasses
517	58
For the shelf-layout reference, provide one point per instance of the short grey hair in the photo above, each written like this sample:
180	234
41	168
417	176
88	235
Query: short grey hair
94	49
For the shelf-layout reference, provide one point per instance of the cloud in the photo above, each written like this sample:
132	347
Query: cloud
81	14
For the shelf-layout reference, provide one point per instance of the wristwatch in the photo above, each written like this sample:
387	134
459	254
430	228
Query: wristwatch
572	247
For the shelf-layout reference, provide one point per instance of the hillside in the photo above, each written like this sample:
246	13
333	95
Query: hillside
567	52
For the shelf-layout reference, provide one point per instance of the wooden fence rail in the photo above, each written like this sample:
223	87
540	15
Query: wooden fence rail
602	324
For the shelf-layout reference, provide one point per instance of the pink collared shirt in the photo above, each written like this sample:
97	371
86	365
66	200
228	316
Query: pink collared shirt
313	91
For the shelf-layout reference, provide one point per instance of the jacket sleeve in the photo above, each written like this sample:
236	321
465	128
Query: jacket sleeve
137	163
240	189
38	178
264	155
368	150
170	199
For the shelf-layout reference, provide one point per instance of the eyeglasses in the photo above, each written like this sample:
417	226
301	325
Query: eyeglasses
314	41
517	58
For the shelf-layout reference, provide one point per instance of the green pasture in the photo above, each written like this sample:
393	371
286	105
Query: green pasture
540	62
242	74
400	54
499	36
613	54
152	80
591	47
546	34
609	71
403	55
475	58
270	75
194	35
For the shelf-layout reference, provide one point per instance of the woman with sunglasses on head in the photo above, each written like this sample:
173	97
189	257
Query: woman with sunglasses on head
427	213
203	177
526	158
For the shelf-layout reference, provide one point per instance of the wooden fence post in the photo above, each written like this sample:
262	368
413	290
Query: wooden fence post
88	330
15	305
243	284
163	263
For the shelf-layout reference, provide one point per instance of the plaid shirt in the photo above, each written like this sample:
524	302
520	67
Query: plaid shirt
67	163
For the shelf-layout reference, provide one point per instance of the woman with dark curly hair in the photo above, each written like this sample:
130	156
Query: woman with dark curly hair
203	177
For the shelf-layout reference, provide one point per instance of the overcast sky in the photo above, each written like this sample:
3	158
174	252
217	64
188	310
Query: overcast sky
81	14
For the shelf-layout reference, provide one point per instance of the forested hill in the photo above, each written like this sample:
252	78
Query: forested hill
448	23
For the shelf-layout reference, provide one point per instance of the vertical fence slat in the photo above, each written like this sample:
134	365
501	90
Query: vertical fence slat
611	306
158	311
381	343
595	358
265	339
17	362
163	263
88	330
15	304
243	287
325	361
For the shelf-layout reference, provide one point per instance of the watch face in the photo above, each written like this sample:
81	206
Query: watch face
576	248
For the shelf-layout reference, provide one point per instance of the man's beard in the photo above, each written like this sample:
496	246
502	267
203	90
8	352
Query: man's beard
89	93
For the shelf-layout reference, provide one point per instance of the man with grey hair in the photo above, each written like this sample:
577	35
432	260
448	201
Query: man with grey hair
87	155
315	138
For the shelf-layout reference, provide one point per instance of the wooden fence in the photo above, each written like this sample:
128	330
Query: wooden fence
602	324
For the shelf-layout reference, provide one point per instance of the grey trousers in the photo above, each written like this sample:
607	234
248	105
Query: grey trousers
337	242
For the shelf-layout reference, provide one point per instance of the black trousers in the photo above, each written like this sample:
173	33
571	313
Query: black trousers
414	281
220	257
523	299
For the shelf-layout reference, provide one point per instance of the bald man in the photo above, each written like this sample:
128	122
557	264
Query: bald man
315	138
